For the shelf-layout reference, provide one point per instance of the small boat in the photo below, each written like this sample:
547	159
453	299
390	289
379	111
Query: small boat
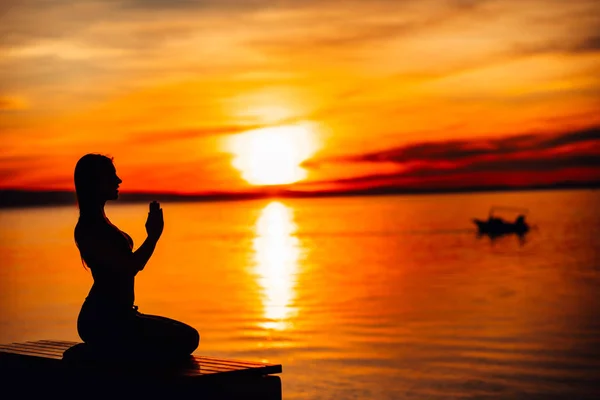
496	226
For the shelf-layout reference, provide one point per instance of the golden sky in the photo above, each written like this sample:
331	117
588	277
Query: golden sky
224	95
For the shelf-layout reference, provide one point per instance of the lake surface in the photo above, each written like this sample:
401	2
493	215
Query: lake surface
390	297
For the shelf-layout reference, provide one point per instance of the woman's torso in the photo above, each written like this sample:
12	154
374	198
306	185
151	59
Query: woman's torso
113	287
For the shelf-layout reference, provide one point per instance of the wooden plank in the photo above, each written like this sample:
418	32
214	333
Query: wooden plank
237	364
260	370
36	349
248	372
265	369
229	361
28	354
49	346
25	346
240	373
196	369
42	364
203	365
251	363
54	349
209	360
57	343
224	363
66	344
202	369
22	351
213	366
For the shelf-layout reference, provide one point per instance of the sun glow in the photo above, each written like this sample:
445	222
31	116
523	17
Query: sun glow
273	156
277	252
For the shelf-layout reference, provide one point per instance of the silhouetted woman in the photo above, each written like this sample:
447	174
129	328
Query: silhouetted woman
108	319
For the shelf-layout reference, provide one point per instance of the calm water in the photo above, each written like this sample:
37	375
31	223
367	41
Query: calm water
382	297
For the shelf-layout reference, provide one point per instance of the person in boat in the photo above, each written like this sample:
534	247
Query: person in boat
108	319
520	224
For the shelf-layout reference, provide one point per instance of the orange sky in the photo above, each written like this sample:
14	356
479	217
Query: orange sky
335	94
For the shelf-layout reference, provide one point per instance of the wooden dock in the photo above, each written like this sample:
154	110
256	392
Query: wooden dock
38	370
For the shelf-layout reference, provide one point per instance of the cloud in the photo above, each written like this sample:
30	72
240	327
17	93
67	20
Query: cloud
586	42
337	28
460	150
484	173
497	158
191	5
8	175
584	135
182	134
591	43
13	168
135	40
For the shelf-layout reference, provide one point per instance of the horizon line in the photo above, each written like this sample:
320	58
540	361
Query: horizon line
21	198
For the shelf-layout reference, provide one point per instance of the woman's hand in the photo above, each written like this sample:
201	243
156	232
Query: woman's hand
155	222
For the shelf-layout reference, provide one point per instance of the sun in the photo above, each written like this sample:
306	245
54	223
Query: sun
273	156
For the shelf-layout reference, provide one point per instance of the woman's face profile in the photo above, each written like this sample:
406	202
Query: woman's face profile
108	183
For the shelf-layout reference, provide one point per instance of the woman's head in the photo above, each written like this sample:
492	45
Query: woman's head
96	180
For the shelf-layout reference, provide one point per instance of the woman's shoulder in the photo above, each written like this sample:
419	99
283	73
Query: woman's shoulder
87	230
94	235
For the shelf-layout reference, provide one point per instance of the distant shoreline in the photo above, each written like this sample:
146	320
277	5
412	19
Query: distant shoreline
17	198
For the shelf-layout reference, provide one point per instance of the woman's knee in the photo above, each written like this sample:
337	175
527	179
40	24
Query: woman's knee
169	333
187	335
192	338
183	340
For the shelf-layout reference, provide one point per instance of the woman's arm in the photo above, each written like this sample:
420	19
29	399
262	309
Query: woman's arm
154	228
143	253
100	251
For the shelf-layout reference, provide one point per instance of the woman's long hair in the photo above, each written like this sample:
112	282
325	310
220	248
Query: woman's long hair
88	171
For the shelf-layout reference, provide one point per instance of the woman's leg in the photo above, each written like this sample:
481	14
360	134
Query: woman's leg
165	337
99	326
107	334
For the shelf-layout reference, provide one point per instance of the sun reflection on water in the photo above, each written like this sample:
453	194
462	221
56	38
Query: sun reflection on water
277	252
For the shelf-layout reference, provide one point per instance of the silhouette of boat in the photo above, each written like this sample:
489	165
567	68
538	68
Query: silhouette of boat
496	226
